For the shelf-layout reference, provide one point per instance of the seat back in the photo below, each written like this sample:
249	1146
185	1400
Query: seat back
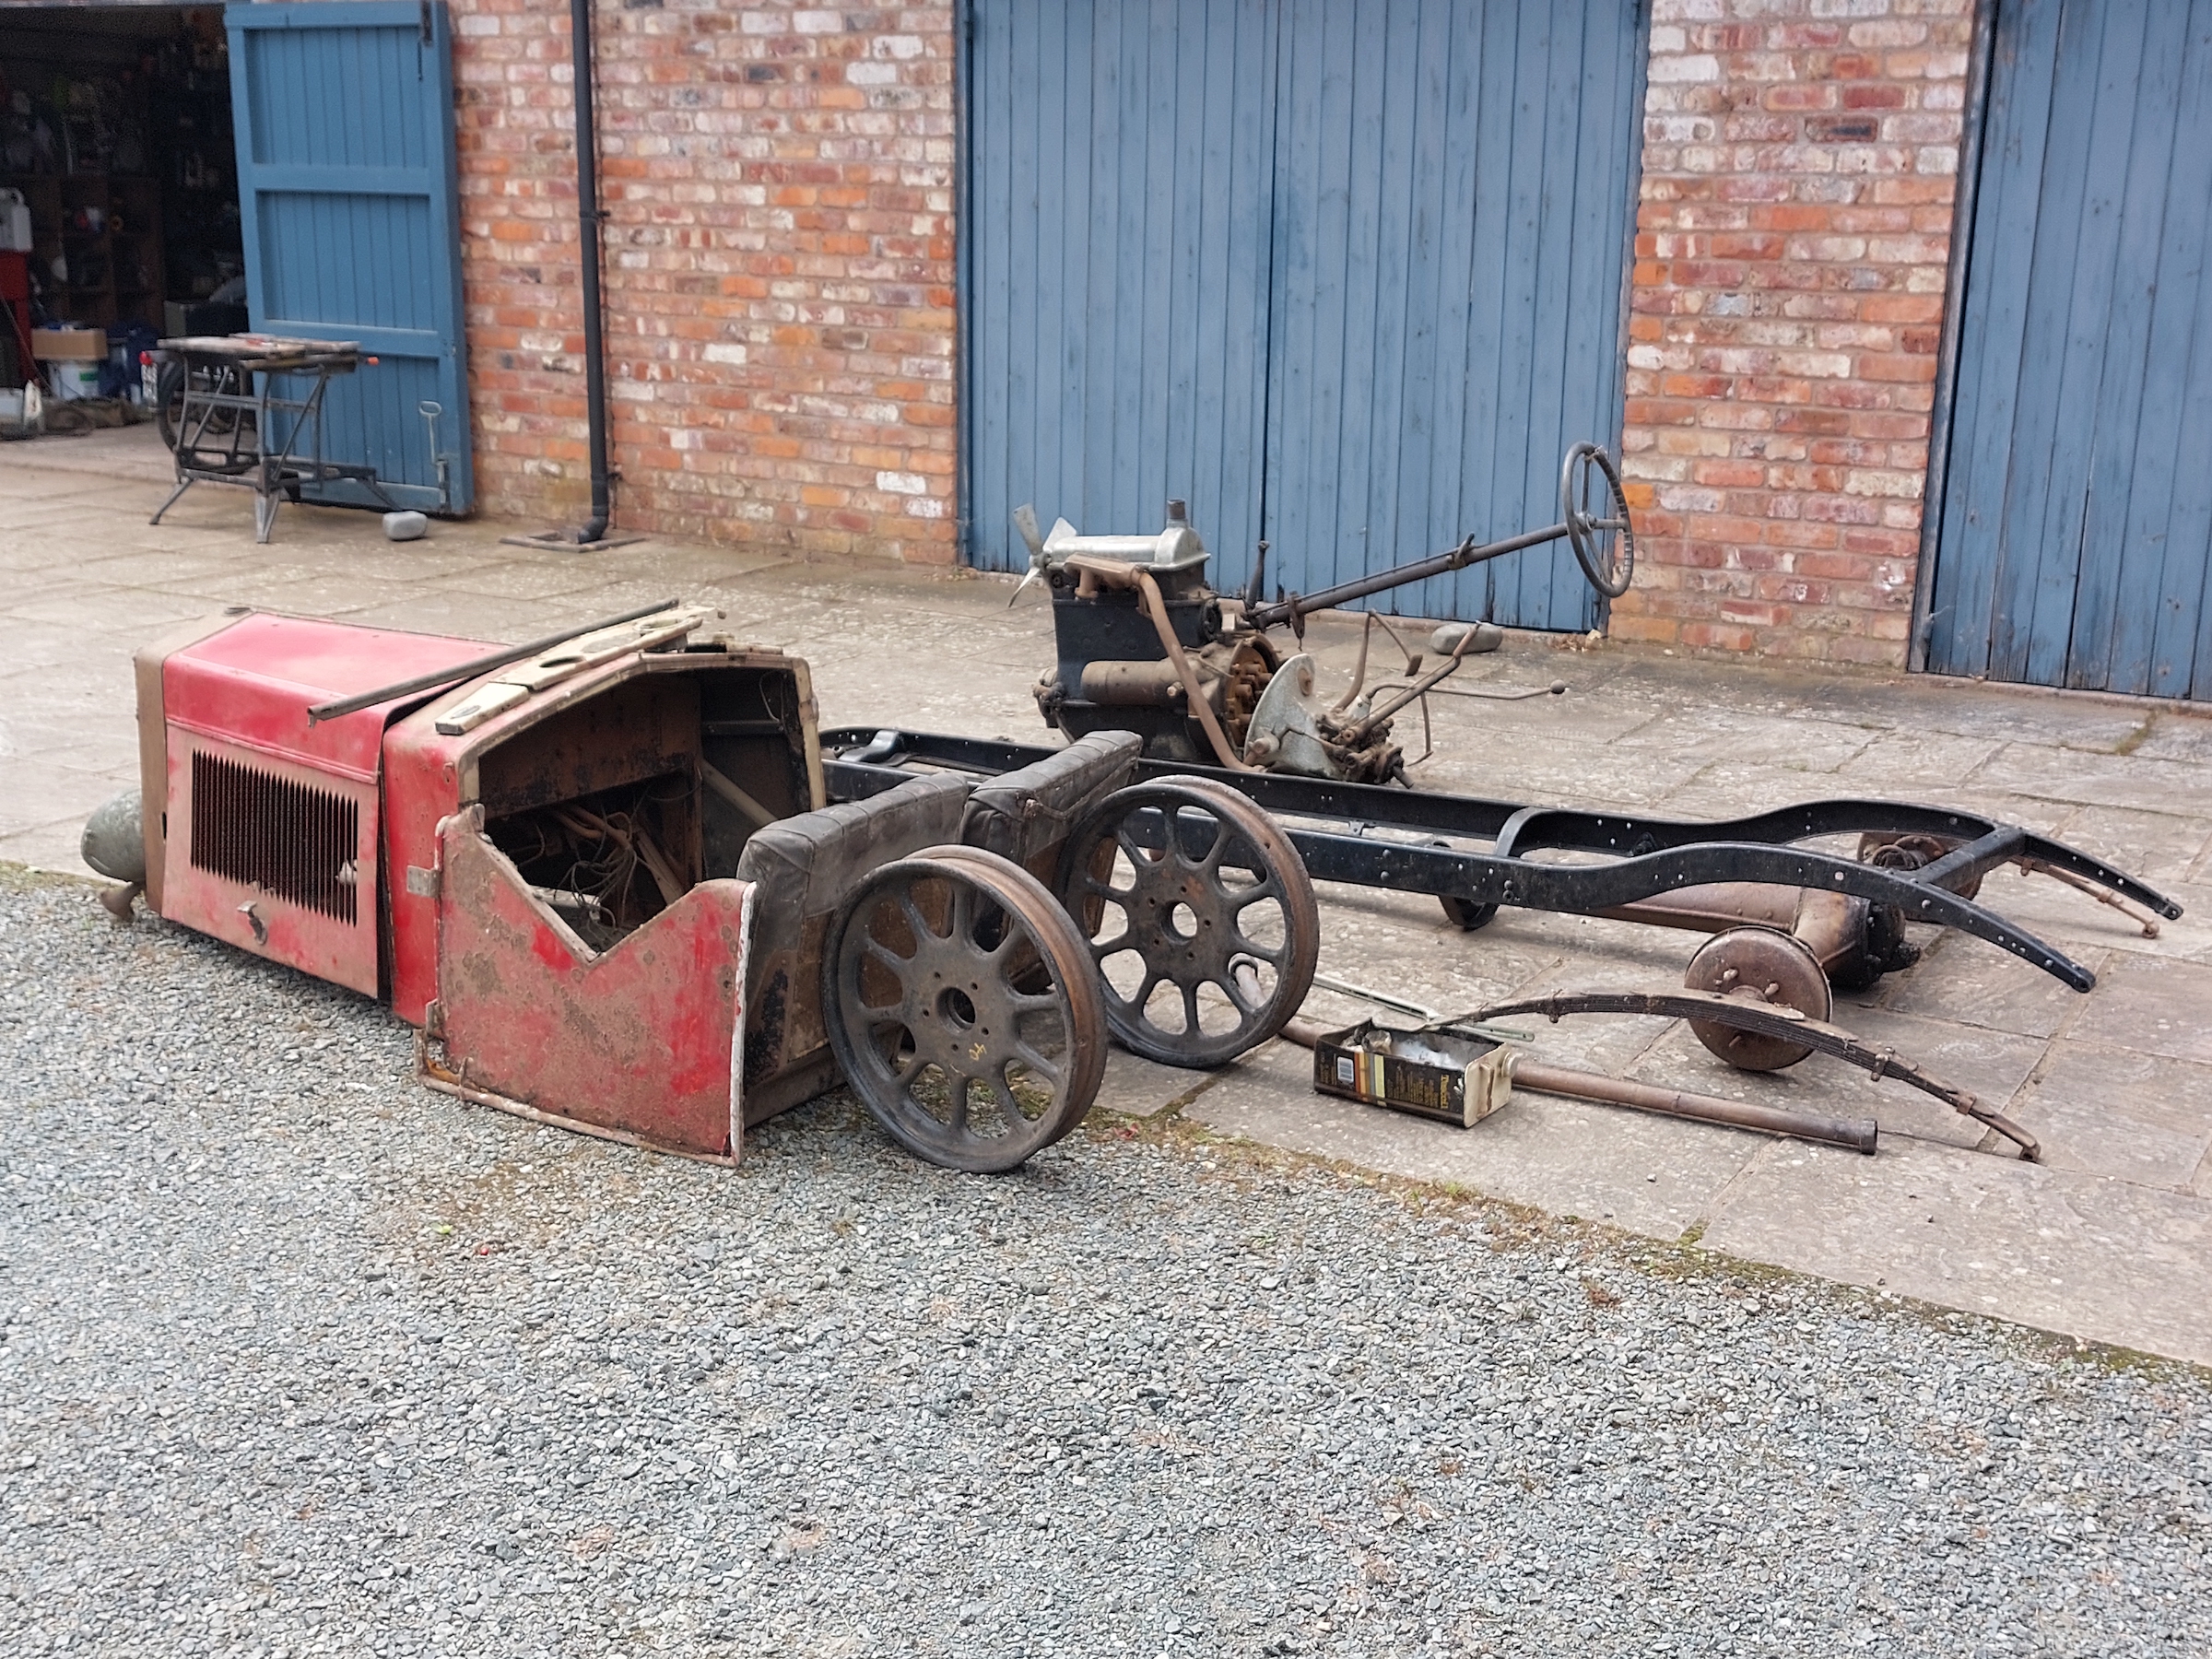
802	869
1026	815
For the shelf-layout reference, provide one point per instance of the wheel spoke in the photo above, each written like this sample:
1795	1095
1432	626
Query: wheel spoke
1253	947
1047	1069
1210	866
1016	1117
1244	898
923	932
1229	984
1033	1003
1139	856
1190	1006
882	953
903	1078
1135	1005
958	1082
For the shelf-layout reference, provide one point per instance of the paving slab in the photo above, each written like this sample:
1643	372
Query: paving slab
2152	1008
2082	1255
2121	1112
1961	980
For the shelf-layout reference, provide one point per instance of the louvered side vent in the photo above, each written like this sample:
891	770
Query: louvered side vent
289	839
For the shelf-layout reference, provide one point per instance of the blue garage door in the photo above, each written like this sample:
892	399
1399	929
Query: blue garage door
347	184
2076	528
1350	278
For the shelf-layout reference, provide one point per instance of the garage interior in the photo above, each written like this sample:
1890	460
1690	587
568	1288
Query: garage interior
115	140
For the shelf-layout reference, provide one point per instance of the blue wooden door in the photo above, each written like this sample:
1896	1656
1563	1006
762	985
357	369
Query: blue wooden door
2076	528
343	111
1121	153
1347	276
1453	186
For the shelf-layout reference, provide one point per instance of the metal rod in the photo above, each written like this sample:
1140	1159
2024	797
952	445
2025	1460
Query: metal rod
476	665
587	219
1441	564
1856	1134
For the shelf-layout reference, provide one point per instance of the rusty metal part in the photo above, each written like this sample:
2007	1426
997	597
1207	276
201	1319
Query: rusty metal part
1856	1134
639	1037
1915	853
1093	574
1857	941
962	1008
117	900
469	670
1249	664
1766	965
2140	915
1131	684
1832	1041
1199	857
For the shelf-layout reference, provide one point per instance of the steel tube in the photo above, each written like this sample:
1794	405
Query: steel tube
1856	1134
1443	564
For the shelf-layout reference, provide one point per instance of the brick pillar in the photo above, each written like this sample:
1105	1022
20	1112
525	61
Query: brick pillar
780	314
1799	162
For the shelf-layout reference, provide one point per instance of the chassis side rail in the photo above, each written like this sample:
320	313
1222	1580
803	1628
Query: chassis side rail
1648	856
1986	842
1517	828
1585	890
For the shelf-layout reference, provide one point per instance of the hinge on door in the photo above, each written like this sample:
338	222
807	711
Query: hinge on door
426	22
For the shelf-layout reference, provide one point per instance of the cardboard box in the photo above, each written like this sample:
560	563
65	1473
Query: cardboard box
1455	1079
69	344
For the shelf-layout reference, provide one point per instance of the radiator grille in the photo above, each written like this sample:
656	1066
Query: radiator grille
289	839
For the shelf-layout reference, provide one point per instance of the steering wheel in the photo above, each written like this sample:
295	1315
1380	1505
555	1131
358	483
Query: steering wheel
1605	548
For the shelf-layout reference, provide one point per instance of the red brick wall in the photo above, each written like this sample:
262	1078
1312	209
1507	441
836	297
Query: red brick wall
778	268
1798	166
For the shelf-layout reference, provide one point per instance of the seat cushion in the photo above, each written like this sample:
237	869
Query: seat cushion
1026	814
803	868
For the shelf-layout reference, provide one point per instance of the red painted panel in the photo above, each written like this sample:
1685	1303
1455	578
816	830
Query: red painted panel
230	863
425	773
422	788
255	681
641	1040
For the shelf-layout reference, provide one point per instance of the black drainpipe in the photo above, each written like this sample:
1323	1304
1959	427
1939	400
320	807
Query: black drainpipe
587	216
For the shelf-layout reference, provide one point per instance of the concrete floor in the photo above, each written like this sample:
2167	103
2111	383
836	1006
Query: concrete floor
2109	1238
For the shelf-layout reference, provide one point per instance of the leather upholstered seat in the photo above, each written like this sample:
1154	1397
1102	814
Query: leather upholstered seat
803	868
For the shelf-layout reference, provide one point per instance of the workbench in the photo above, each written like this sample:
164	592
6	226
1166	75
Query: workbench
233	426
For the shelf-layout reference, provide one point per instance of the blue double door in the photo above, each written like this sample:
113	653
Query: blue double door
1347	276
348	188
2074	546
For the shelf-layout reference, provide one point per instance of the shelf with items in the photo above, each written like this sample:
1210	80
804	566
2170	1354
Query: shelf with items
97	246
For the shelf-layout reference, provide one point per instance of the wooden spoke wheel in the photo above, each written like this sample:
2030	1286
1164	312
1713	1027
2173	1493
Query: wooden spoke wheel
963	1007
1201	918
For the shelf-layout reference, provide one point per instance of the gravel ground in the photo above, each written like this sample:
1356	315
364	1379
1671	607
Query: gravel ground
301	1359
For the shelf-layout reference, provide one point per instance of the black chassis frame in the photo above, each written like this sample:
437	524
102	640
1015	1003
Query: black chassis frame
1649	857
